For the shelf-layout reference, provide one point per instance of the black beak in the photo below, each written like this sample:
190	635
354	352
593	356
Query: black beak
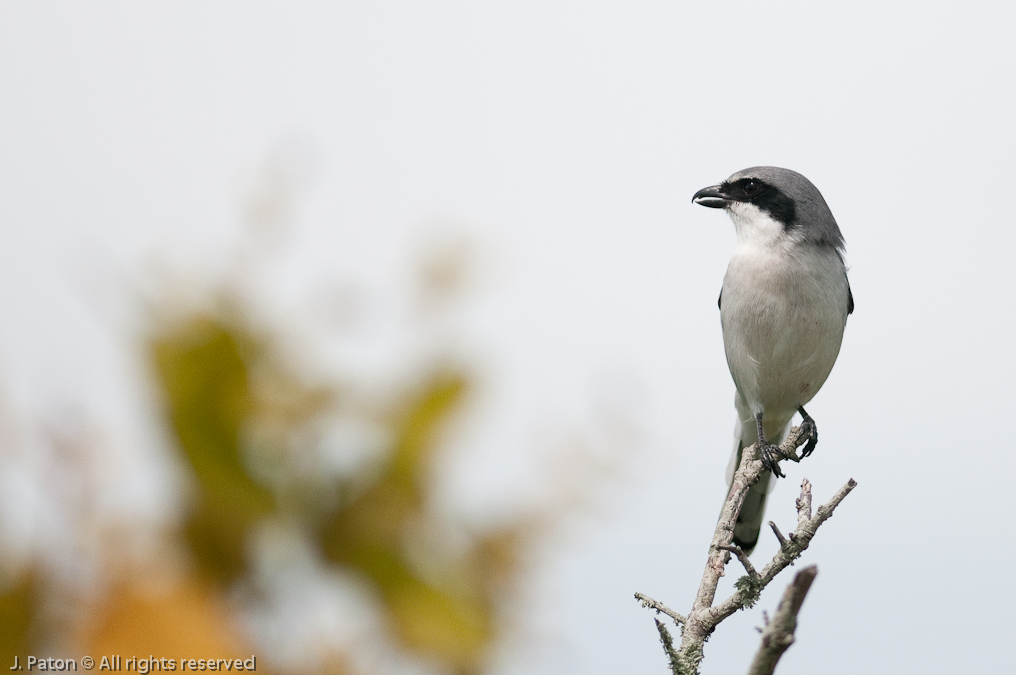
713	196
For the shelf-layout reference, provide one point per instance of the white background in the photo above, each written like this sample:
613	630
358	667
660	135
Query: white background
566	140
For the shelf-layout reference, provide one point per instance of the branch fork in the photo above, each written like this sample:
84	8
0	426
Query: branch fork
704	616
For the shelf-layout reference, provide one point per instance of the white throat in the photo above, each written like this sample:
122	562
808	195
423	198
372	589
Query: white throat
755	227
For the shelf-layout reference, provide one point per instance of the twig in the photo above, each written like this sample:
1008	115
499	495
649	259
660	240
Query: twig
779	633
802	537
804	503
659	607
826	510
668	646
779	535
747	474
743	557
704	616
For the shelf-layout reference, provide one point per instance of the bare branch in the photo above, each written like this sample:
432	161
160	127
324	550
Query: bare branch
747	474
779	535
659	607
804	533
826	510
804	503
801	539
668	647
704	616
779	633
743	557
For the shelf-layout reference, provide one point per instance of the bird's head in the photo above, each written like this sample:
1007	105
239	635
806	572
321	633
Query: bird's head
769	204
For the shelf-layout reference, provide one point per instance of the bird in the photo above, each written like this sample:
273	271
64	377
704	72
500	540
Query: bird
783	309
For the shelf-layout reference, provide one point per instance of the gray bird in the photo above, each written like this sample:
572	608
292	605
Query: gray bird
783	308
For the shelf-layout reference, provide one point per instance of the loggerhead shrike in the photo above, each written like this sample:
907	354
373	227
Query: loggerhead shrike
783	307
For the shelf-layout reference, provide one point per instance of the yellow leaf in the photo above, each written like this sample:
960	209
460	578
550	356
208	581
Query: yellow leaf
178	620
16	613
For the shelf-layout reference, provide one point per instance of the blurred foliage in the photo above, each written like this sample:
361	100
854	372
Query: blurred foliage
208	400
178	620
368	534
16	617
241	419
221	380
248	427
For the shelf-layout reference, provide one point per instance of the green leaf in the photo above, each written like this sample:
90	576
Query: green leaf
204	378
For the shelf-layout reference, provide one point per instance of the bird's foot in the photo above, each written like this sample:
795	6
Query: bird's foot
770	456
810	432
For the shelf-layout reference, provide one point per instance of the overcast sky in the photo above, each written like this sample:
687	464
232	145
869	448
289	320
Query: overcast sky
565	140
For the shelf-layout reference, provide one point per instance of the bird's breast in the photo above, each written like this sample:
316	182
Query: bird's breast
783	312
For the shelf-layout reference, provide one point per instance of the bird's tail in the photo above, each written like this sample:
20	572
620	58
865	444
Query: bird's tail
749	522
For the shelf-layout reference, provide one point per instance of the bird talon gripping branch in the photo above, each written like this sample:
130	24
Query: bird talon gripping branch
770	456
783	308
810	431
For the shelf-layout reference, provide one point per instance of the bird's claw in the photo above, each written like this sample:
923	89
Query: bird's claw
810	431
769	454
